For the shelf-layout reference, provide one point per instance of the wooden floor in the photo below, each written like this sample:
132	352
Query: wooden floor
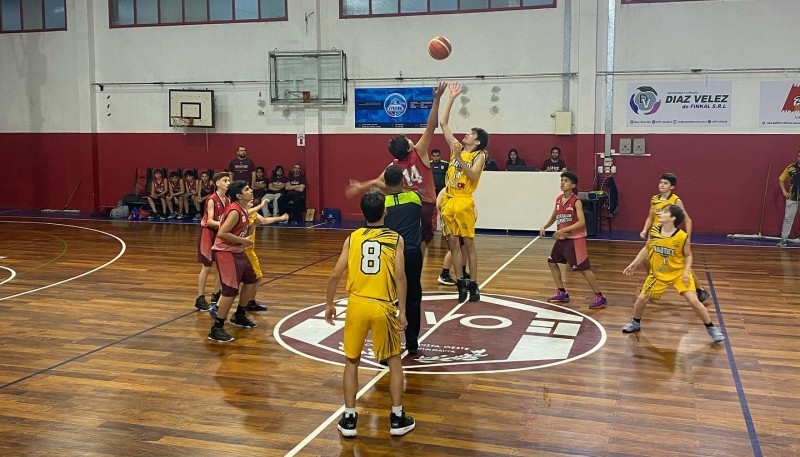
116	362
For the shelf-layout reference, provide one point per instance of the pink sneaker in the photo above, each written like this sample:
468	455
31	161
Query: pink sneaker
559	297
599	302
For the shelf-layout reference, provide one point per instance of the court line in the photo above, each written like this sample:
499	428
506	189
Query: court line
382	373
121	252
126	338
748	419
13	274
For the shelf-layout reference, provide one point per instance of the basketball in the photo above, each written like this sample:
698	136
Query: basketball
439	48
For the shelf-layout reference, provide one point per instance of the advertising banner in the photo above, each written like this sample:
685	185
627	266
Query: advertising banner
780	104
679	103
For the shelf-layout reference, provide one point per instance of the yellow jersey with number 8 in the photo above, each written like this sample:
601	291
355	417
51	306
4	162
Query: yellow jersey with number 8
370	263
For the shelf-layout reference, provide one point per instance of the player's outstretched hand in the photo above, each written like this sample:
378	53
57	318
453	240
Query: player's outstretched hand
629	269
455	89
643	234
353	189
439	90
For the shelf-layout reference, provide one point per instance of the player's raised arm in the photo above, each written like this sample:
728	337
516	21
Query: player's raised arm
424	142
444	122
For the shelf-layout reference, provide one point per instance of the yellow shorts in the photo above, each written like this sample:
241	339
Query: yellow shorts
654	287
251	254
458	216
365	315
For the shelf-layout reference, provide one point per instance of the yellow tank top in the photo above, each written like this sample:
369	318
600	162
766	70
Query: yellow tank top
657	204
370	263
456	181
665	253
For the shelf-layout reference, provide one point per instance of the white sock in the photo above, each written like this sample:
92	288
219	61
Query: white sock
397	410
349	412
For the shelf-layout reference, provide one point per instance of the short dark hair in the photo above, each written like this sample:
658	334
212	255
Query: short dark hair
671	178
557	149
219	175
175	174
373	206
188	173
571	176
398	147
261	169
483	137
678	213
235	189
393	175
436	150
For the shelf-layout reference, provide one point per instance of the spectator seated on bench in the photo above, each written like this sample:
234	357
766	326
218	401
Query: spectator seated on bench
293	201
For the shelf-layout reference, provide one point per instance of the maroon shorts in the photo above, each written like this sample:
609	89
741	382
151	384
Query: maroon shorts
428	221
234	267
204	243
571	251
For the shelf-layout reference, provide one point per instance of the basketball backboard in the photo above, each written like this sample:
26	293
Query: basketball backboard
308	77
191	108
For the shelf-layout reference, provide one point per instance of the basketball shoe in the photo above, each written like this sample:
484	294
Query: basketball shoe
559	297
402	424
347	425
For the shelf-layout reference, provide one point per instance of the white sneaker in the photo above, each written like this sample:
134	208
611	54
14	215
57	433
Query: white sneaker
631	327
716	334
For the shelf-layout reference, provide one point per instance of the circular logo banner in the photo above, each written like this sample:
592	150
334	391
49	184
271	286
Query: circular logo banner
498	333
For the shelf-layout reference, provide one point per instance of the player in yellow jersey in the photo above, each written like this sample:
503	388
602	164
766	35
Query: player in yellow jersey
376	280
669	252
467	159
664	197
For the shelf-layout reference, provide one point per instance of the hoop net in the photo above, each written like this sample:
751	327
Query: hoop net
179	122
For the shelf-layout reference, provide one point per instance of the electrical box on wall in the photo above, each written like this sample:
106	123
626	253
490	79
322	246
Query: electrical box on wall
638	146
563	122
624	145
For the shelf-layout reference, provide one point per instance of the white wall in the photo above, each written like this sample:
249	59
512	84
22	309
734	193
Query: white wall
45	78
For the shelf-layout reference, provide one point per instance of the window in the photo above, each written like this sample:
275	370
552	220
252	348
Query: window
362	8
32	15
132	13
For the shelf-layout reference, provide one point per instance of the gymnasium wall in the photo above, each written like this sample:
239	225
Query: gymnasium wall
59	123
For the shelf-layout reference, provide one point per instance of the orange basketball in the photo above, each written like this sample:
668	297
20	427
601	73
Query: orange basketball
439	48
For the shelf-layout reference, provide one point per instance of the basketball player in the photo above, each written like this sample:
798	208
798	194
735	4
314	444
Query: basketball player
214	207
376	280
570	245
232	263
415	162
458	208
255	219
658	202
669	251
403	213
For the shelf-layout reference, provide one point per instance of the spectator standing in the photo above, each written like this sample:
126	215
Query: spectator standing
242	168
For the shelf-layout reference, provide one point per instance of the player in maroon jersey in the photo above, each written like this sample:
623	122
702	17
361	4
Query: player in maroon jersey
233	265
158	191
215	206
570	245
415	162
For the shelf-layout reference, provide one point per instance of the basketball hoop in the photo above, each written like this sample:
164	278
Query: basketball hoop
179	123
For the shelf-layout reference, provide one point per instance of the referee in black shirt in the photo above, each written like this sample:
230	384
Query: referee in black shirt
404	216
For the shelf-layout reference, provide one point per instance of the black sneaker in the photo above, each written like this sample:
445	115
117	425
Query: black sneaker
201	304
463	290
474	293
446	279
219	334
347	425
702	295
402	424
253	305
215	296
242	320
